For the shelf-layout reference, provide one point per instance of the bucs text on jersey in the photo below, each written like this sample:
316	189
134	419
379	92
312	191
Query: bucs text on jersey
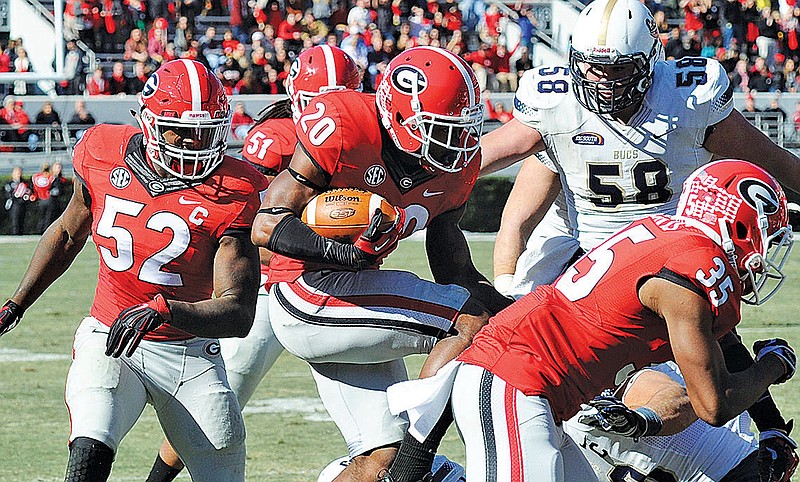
157	235
626	171
341	134
586	332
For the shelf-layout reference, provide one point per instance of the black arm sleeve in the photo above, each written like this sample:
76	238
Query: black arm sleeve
292	237
764	412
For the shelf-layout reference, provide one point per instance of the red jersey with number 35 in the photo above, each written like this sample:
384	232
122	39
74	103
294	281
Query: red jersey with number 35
271	144
570	340
157	235
341	134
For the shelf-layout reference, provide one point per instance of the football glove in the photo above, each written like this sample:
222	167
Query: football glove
610	415
377	243
781	349
777	459
133	323
10	315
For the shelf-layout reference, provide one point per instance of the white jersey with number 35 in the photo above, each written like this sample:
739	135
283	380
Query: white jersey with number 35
613	173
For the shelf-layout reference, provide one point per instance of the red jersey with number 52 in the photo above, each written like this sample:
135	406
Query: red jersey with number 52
271	144
157	235
341	134
570	340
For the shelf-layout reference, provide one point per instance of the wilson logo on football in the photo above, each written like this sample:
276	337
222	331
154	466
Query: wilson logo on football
408	79
588	139
335	198
342	213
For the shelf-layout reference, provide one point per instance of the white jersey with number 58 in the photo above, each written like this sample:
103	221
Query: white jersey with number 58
613	173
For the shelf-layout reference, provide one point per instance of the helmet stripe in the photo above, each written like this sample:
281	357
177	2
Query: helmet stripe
330	64
457	62
604	22
194	82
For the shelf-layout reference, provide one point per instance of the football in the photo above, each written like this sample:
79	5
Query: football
343	214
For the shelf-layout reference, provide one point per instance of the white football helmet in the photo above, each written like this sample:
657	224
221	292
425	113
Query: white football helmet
619	35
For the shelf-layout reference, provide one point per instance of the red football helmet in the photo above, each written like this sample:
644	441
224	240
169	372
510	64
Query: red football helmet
185	101
318	70
743	208
430	103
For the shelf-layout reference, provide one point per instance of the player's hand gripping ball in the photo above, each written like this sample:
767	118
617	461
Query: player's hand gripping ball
343	214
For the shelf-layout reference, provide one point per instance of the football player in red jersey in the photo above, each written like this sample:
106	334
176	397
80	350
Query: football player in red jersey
170	215
269	146
663	287
417	144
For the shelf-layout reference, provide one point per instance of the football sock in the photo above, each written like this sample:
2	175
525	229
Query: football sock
414	458
161	472
89	461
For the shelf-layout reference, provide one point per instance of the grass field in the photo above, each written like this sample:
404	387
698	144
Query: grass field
289	437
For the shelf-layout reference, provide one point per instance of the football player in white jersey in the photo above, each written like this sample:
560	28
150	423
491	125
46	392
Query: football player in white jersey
698	452
620	128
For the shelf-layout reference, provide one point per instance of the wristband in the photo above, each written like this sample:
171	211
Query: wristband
653	422
160	305
503	283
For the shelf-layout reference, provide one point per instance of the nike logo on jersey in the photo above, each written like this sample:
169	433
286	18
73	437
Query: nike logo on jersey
659	136
183	200
427	193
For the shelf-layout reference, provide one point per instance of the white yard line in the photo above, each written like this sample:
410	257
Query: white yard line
11	355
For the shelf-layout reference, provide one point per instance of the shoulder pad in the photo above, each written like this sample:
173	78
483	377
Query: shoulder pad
703	78
541	88
99	147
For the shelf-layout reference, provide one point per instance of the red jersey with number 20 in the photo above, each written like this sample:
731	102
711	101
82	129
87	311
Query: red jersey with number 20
570	340
157	235
341	134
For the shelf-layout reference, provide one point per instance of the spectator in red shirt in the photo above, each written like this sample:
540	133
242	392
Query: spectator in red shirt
229	43
136	47
492	18
241	121
15	116
507	82
119	84
796	118
497	111
97	84
42	181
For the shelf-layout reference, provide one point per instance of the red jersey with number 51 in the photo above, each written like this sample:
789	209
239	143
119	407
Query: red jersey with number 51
157	235
341	134
271	144
570	340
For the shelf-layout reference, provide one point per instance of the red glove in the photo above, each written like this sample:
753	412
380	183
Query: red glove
377	243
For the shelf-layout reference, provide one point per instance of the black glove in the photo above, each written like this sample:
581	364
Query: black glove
782	350
134	323
777	459
609	414
10	315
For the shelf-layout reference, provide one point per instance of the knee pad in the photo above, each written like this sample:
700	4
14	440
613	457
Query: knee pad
89	461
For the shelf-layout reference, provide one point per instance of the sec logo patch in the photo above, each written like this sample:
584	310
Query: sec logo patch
120	178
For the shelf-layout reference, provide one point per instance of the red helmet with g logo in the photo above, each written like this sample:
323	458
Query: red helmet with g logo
186	118
318	70
429	102
744	209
